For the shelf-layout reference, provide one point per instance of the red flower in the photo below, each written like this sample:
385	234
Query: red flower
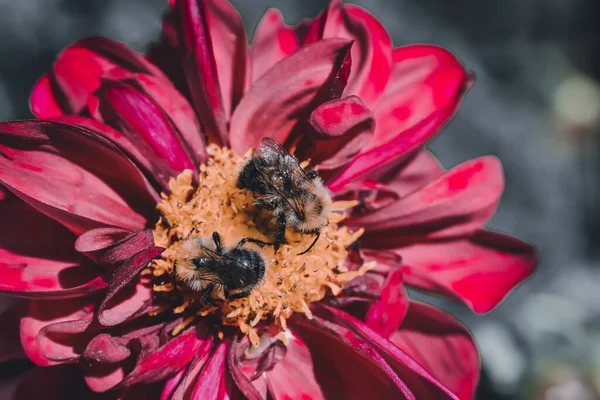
82	185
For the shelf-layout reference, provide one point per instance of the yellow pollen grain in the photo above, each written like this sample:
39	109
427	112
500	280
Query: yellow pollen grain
291	282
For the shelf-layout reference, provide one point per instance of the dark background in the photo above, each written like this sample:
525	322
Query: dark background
536	105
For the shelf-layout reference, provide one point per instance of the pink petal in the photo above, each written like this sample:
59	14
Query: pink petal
168	359
241	376
442	345
189	377
294	376
272	42
119	304
480	270
427	86
347	367
274	103
37	259
64	341
230	45
456	204
43	102
372	54
386	315
343	127
421	382
147	126
179	111
200	67
171	385
105	348
10	341
104	377
211	382
47	312
111	245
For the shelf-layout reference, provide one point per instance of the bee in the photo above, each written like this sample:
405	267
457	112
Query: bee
296	196
206	266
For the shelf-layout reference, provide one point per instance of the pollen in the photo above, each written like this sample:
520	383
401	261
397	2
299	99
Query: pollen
291	282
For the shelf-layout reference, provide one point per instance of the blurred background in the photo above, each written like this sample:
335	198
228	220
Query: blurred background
536	105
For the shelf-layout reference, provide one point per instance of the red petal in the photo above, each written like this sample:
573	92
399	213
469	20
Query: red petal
10	341
372	54
442	345
42	101
480	270
112	246
240	375
427	86
64	341
77	73
168	359
200	68
349	368
171	385
37	259
386	315
76	188
274	103
294	376
44	313
421	382
230	45
178	110
272	42
458	203
147	126
343	127
120	304
189	377
211	382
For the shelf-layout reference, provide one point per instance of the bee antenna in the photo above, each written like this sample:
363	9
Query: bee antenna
189	234
312	244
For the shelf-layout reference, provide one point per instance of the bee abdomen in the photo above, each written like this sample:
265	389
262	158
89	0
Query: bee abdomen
250	178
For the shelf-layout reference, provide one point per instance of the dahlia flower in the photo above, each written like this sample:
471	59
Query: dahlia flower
131	153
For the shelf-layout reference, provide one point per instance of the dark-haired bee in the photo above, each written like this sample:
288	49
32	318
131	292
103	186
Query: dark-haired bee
206	266
296	196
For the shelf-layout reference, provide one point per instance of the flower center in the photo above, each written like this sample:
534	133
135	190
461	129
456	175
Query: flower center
291	281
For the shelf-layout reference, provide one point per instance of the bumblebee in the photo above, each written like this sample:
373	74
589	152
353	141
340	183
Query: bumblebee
296	196
207	267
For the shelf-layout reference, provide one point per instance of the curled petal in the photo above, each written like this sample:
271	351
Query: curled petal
456	204
37	259
168	359
277	100
63	341
200	67
45	313
105	348
293	376
240	377
442	345
119	304
77	73
146	125
386	315
272	42
372	54
343	127
112	245
426	88
480	270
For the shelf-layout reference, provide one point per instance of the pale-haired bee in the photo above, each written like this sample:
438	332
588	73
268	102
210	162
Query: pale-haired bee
297	196
206	266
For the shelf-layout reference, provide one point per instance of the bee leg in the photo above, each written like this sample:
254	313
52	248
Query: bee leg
312	244
206	298
217	240
280	233
252	240
238	295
